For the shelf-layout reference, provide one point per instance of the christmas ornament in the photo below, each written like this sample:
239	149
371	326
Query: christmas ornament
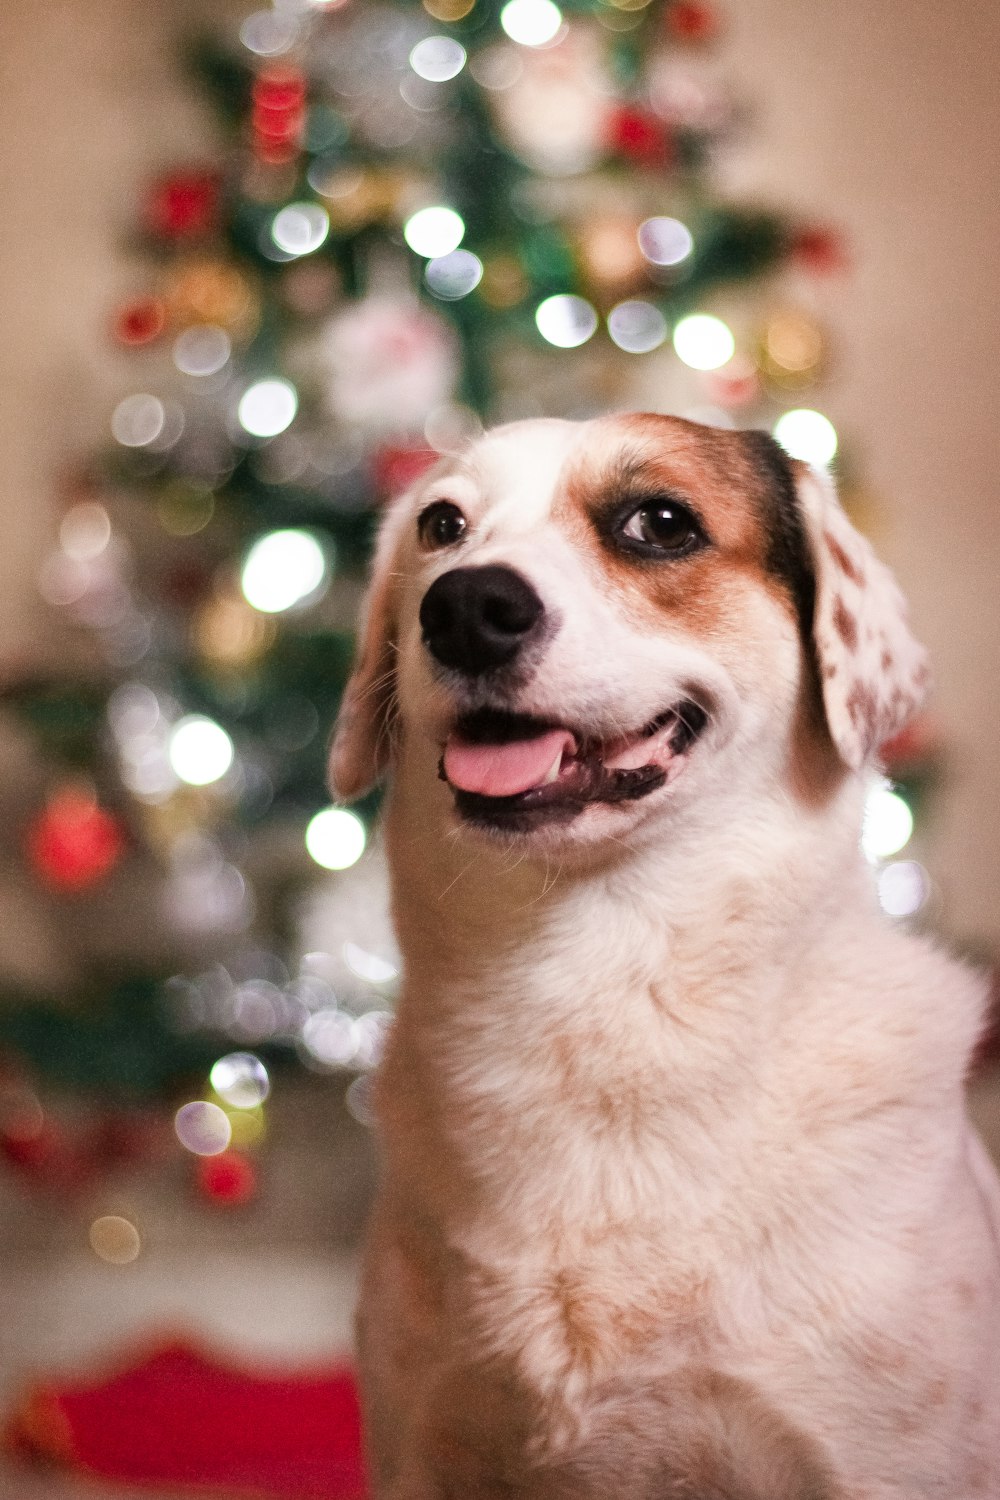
819	249
279	114
689	21
73	843
140	321
390	363
610	256
229	634
207	290
554	114
640	137
792	350
184	205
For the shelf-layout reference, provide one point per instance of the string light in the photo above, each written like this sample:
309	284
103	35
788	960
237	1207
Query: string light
888	824
240	1080
637	327
138	420
453	276
704	342
565	320
664	241
434	231
115	1239
202	350
369	966
903	888
267	407
438	58
532	23
300	228
336	838
203	1128
282	570
85	531
807	435
200	750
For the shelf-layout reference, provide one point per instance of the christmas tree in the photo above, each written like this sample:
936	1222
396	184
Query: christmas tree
422	218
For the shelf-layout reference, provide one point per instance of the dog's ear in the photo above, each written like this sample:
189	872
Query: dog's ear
362	738
873	672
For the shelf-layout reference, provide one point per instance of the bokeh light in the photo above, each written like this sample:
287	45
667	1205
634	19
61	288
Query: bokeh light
637	327
453	276
115	1239
268	33
565	320
704	342
283	569
202	350
438	58
336	838
369	966
85	531
240	1080
664	241
300	228
138	420
203	1128
200	750
330	1038
434	231
532	23
267	407
888	823
903	888
807	435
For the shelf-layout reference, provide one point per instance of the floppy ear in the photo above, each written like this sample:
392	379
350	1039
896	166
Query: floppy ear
362	738
873	671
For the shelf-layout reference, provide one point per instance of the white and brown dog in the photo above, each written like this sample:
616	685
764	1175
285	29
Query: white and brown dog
678	1194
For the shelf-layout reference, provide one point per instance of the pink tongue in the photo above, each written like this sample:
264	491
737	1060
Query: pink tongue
504	770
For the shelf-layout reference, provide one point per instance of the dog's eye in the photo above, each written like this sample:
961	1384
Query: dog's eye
441	525
662	526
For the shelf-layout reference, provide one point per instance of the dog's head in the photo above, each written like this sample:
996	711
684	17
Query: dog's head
579	625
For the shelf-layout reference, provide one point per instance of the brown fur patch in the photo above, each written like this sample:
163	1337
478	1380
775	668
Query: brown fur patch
845	624
844	563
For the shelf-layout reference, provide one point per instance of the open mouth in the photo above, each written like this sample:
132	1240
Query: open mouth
515	771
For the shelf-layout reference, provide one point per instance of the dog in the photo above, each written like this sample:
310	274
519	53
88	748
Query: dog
678	1194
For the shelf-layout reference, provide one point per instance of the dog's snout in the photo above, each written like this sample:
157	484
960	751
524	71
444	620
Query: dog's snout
474	619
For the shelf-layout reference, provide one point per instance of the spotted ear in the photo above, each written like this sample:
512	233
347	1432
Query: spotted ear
874	673
362	738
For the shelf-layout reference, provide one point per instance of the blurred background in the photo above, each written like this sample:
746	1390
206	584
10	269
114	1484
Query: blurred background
257	269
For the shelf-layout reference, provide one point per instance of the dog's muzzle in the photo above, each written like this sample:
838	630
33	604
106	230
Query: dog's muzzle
477	619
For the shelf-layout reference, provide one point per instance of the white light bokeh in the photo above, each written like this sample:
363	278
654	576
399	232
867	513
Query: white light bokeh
807	435
115	1239
531	23
330	1038
202	350
267	407
565	320
138	420
336	838
438	58
637	327
665	242
453	276
85	531
203	1128
240	1079
434	231
704	342
282	570
200	750
269	33
369	966
903	888
888	824
300	228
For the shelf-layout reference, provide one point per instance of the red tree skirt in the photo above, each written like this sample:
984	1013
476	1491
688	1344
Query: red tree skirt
179	1419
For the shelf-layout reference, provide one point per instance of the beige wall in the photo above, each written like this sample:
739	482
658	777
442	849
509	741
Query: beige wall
881	117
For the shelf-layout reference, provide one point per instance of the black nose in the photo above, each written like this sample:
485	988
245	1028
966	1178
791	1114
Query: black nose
477	618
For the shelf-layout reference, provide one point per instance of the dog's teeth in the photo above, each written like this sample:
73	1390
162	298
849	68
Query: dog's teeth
553	772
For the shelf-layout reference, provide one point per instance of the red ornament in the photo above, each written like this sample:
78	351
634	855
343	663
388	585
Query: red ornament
640	136
140	321
74	843
184	205
229	1180
394	469
820	250
691	22
279	114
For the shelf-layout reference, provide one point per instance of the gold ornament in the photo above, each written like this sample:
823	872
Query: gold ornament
793	350
610	256
448	10
212	291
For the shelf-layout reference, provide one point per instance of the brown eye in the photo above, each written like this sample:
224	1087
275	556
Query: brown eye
441	525
662	527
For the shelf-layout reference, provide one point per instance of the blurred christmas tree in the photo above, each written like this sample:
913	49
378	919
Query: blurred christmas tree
426	217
